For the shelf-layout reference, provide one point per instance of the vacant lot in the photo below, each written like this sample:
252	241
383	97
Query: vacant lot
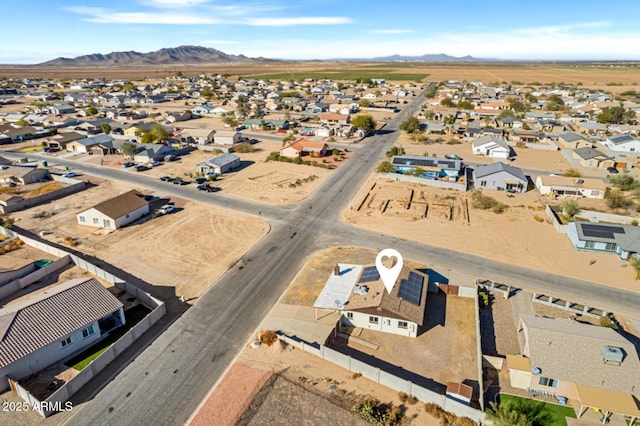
187	250
521	235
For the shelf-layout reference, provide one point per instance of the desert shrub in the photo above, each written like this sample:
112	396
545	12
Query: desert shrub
483	202
570	207
268	337
616	199
607	321
634	222
483	298
571	173
403	396
453	141
624	182
384	167
356	375
539	219
244	147
372	412
412	400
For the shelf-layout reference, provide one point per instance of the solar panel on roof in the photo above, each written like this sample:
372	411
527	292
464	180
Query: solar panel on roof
598	231
411	289
370	273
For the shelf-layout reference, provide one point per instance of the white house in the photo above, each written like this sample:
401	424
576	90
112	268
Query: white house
622	143
218	165
491	146
115	212
360	295
501	177
227	137
50	326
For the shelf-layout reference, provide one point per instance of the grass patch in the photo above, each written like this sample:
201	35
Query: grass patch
556	413
30	149
352	75
132	317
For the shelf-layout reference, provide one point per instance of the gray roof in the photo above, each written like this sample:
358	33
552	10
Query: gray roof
626	236
565	349
51	315
489	169
95	140
572	137
621	139
223	160
422	161
587	153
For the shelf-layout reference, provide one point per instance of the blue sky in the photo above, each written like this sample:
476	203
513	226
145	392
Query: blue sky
38	30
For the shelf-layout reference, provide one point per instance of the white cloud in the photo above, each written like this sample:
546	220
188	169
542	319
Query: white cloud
302	20
170	4
103	16
392	31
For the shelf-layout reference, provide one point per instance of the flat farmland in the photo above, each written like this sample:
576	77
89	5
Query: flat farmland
615	77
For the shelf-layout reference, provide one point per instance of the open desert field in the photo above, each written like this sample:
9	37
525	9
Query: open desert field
521	235
188	249
600	75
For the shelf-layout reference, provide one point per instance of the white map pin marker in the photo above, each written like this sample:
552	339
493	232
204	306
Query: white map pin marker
389	275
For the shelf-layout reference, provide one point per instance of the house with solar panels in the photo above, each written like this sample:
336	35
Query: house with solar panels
363	301
430	167
623	240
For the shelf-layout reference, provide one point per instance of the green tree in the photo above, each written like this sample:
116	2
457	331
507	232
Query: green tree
466	105
22	122
395	150
506	113
365	103
208	93
417	172
616	199
230	120
554	103
446	102
570	207
364	122
106	128
530	98
572	173
507	415
516	105
410	125
385	167
128	149
616	115
624	182
156	134
92	110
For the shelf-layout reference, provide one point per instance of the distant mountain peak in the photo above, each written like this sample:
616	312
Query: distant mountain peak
165	56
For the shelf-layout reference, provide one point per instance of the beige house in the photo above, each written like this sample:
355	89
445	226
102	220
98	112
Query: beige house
115	212
227	137
303	147
15	175
591	157
563	187
568	359
573	141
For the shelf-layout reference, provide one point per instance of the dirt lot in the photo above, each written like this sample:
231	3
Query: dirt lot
510	234
170	250
321	378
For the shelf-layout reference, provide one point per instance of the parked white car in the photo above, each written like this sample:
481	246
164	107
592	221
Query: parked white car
166	209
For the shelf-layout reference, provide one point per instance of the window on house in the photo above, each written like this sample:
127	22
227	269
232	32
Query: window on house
106	223
589	244
81	218
373	320
545	381
350	315
87	331
483	183
403	324
96	221
66	342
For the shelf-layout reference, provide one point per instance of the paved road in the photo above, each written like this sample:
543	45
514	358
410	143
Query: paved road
167	381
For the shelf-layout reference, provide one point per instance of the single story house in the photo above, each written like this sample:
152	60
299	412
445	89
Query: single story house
561	187
270	124
363	301
567	359
623	240
115	212
152	152
199	136
574	141
591	157
218	165
50	326
84	145
431	167
500	177
22	175
622	143
227	137
61	140
491	146
303	147
331	117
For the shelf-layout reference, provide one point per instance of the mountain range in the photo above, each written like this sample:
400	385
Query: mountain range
206	55
167	56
